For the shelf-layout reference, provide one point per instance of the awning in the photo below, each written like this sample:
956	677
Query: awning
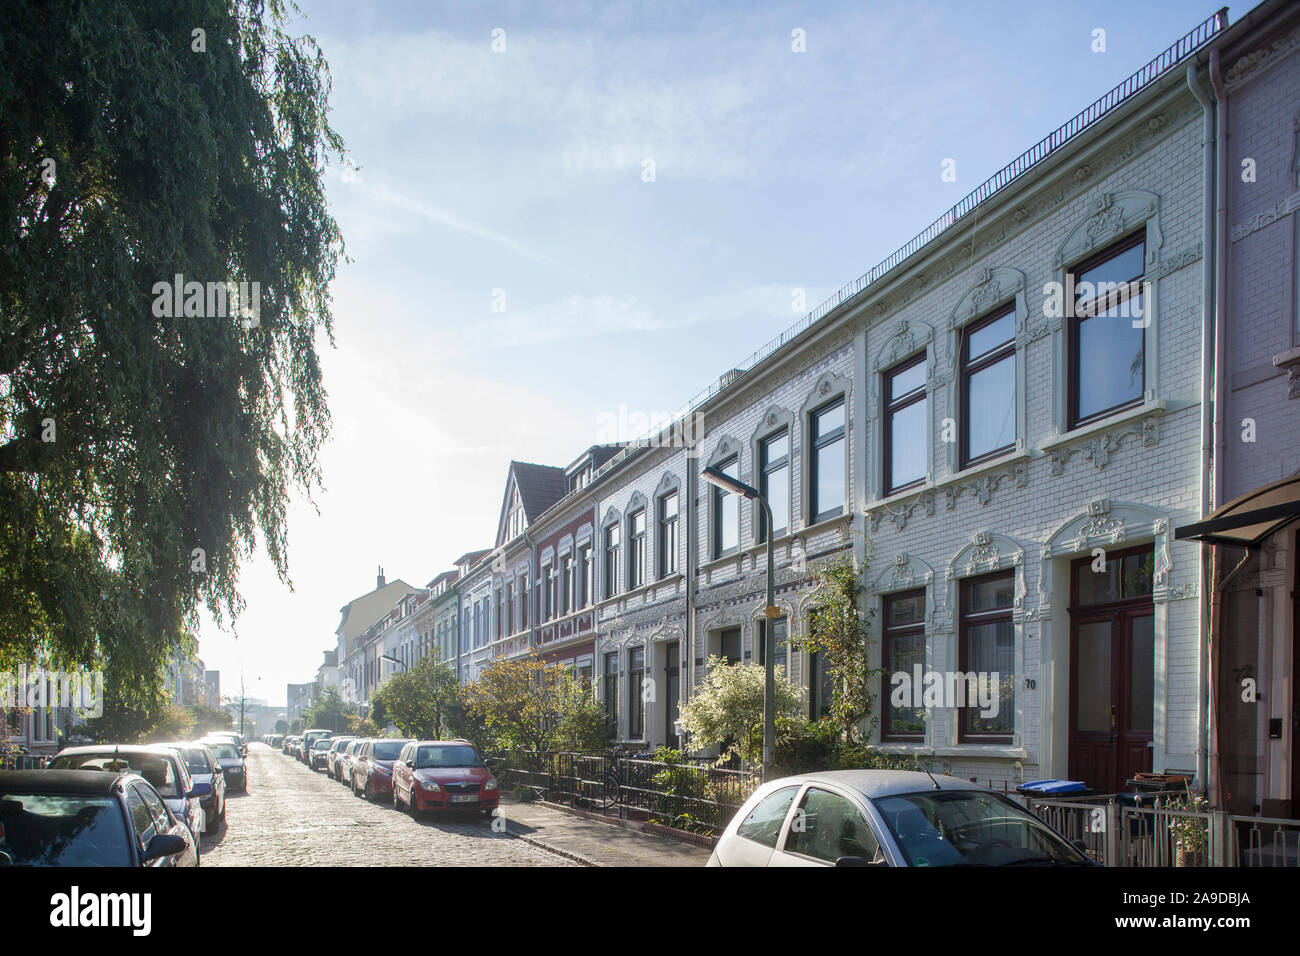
1248	520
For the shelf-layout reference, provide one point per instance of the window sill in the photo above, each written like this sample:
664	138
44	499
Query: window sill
671	581
1156	407
1011	457
1003	751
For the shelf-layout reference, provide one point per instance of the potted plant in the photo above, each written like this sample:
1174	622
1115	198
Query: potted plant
1190	832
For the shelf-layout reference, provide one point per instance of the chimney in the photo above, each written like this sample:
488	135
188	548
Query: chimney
379	579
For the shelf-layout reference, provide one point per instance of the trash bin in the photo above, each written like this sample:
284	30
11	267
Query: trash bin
1054	788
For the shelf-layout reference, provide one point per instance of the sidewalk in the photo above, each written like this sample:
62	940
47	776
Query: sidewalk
595	842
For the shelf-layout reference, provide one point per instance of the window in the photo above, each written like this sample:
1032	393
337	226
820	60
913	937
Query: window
988	386
832	827
510	607
611	561
906	426
774	482
828	462
668	534
636	549
726	512
763	825
498	615
902	649
584	569
525	598
821	687
515	521
1107	353
635	700
548	592
986	652
780	631
610	690
566	584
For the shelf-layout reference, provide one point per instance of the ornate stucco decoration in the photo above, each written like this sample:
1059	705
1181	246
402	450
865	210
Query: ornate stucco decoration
1266	218
898	515
1112	214
1258	59
983	486
1099	448
1106	524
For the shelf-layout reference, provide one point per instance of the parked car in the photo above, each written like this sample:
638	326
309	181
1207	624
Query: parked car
332	755
309	738
163	767
205	768
288	744
318	758
372	768
443	775
347	760
887	818
232	764
239	740
88	818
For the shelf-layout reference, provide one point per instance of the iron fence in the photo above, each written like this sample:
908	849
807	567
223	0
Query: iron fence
23	761
697	797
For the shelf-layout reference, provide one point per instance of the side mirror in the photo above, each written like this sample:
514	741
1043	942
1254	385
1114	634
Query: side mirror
164	844
201	790
851	861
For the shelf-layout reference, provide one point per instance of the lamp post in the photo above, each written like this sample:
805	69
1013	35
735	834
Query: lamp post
721	479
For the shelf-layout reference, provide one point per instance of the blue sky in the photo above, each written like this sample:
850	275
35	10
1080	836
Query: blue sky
518	177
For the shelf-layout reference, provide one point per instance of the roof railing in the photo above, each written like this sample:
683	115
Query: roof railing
1064	134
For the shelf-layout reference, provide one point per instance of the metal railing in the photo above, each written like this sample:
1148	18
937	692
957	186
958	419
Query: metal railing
695	797
23	761
1064	134
1130	836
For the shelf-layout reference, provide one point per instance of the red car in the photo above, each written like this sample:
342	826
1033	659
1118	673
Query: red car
443	775
372	768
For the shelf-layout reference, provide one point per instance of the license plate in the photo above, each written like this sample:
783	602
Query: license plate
464	798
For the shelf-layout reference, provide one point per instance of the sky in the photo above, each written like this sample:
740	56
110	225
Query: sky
603	214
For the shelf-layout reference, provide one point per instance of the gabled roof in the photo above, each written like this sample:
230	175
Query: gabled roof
472	558
360	613
445	576
540	486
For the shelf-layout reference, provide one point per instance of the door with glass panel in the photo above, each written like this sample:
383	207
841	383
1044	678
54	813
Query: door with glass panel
1112	668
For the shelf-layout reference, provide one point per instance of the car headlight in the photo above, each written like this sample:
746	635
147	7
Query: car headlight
384	771
430	786
490	785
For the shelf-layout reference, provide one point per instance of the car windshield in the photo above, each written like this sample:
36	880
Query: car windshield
321	745
972	828
458	756
388	749
38	829
225	751
156	768
196	760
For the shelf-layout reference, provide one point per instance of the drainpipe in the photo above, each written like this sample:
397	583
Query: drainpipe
1208	407
1214	779
532	581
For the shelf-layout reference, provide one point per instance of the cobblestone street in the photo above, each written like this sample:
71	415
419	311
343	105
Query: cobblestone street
293	816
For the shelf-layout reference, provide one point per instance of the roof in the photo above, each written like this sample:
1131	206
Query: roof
472	557
540	486
886	783
59	781
360	613
1247	520
445	576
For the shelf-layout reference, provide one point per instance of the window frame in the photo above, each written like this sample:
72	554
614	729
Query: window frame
668	528
886	634
891	407
968	369
766	468
637	548
717	512
1073	321
817	443
611	542
967	619
636	725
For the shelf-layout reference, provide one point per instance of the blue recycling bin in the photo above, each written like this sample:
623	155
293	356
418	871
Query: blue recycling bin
1054	788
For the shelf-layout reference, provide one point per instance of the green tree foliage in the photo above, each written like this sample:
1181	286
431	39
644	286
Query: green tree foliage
530	707
726	710
328	711
839	632
141	457
207	720
422	702
282	727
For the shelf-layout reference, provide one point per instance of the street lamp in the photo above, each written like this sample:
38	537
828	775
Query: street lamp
720	479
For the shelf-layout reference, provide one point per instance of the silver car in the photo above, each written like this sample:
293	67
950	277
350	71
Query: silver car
887	818
165	768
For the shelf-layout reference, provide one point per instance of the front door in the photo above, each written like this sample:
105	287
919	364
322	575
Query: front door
1112	669
673	681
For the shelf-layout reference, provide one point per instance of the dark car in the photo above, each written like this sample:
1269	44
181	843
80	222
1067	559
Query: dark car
165	768
205	768
309	738
232	764
372	768
443	775
88	818
318	759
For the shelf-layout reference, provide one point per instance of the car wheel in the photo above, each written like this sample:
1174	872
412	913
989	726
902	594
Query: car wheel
356	792
413	806
370	792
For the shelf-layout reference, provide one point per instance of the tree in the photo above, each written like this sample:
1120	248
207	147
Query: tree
839	631
532	708
281	727
422	701
142	454
726	711
327	711
207	719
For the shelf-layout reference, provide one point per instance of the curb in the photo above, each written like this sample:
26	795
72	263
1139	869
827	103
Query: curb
549	848
637	826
